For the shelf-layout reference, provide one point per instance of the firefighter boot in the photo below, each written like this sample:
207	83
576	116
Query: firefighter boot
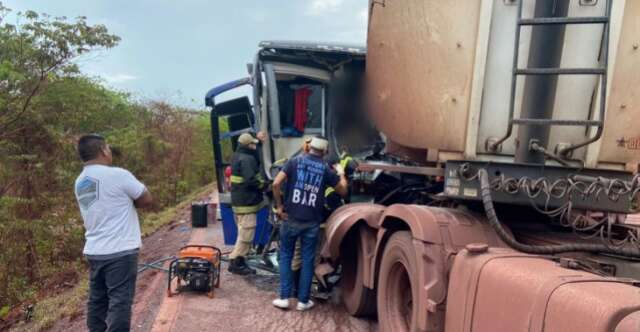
240	267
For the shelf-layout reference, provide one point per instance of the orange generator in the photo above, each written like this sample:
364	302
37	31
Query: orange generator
197	268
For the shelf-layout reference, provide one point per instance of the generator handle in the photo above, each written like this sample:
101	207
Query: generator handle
202	246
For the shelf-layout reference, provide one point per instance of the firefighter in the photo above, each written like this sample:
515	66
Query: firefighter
247	184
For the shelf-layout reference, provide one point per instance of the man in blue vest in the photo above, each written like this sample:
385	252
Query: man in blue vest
302	210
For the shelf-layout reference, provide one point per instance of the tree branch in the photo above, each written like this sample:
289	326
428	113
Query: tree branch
25	106
4	189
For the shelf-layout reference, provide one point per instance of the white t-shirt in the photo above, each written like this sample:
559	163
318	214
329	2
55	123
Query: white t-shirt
105	196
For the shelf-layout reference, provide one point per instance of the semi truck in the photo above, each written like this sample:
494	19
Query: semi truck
497	145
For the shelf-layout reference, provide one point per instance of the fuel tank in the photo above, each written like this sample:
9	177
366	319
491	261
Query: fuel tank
439	77
498	289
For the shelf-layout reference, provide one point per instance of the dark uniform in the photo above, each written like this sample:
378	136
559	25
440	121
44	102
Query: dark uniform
247	185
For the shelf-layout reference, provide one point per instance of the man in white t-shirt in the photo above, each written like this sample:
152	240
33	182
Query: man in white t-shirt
108	197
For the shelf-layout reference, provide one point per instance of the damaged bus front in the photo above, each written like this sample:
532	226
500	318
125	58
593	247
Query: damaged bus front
298	89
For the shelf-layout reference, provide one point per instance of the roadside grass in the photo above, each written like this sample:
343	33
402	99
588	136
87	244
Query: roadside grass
71	302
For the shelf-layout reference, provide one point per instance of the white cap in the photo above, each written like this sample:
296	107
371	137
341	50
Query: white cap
320	144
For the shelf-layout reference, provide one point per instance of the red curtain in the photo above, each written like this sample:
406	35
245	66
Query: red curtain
300	116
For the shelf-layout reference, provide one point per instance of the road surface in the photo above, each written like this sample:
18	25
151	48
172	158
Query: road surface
240	304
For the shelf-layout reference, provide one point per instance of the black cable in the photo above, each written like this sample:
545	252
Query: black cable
485	191
405	189
539	148
581	185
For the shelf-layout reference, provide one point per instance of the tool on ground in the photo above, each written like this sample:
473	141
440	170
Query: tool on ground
197	268
157	264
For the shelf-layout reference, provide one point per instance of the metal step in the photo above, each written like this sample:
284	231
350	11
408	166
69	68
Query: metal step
556	122
560	71
563	20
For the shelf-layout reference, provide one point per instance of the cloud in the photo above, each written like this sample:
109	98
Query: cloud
350	24
338	20
321	7
118	78
259	16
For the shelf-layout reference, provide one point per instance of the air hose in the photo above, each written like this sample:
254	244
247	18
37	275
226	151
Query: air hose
487	201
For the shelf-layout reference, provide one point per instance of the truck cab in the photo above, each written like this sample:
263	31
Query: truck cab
299	89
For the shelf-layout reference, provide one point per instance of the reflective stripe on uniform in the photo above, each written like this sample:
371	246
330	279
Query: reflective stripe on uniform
345	162
280	162
246	209
249	209
328	191
236	179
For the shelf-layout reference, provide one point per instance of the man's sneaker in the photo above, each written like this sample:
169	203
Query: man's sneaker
281	303
305	306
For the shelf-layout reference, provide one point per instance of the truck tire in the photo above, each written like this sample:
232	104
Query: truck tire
398	284
359	300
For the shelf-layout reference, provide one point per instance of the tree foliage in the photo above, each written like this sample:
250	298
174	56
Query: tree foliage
46	103
35	52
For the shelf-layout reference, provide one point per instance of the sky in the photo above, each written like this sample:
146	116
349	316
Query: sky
176	50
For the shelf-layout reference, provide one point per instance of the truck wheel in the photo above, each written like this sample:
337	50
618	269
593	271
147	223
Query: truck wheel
359	300
397	284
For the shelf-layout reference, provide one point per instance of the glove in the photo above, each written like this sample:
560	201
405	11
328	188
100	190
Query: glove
349	165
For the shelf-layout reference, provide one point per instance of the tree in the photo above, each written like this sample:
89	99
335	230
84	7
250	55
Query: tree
46	103
35	52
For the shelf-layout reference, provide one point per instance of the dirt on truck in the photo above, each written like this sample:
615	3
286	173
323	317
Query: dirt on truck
495	154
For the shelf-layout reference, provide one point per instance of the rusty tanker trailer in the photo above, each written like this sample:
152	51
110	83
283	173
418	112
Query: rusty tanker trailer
497	145
512	133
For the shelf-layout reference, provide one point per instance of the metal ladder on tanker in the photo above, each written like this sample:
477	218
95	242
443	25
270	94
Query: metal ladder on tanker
602	71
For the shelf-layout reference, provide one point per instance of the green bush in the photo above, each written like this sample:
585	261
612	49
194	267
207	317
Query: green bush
46	104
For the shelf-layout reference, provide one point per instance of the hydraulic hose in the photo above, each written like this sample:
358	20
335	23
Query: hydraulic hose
487	201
